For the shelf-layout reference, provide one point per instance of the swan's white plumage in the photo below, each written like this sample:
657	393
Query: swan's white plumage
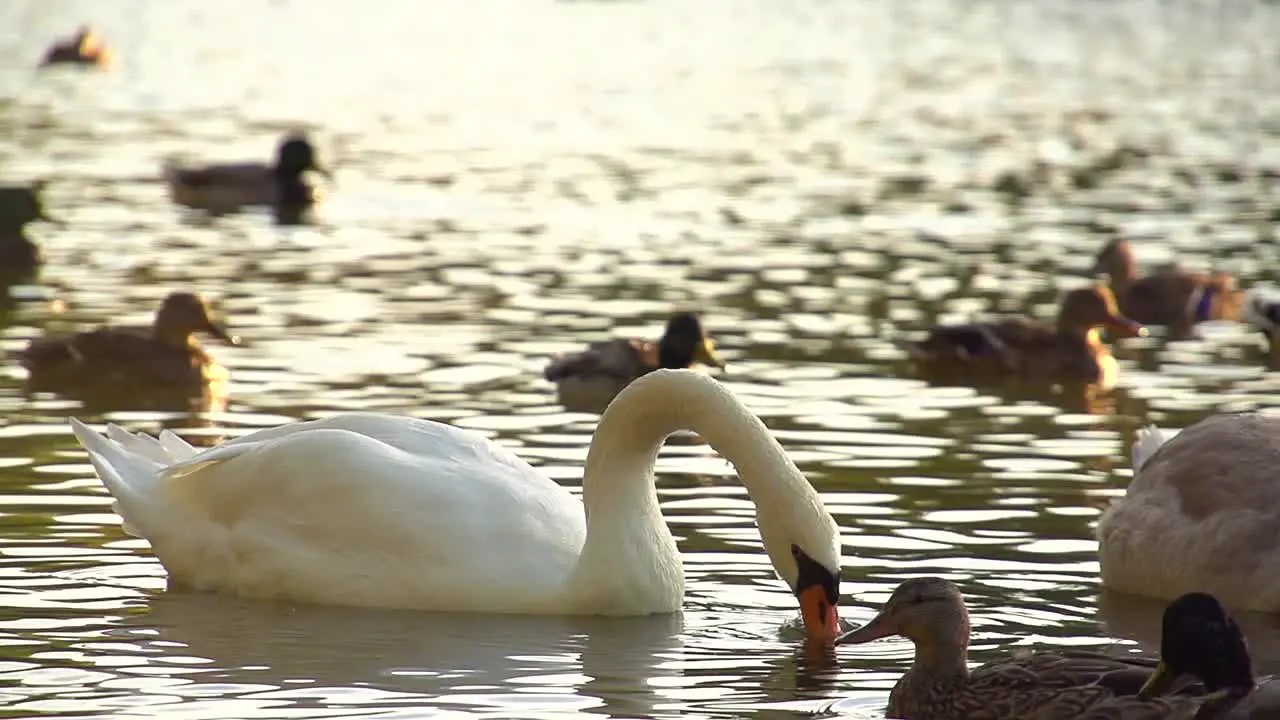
368	509
1202	513
286	513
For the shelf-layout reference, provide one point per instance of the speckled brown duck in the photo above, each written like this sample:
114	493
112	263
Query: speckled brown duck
1060	685
588	380
164	357
1019	348
85	48
20	205
1168	296
228	187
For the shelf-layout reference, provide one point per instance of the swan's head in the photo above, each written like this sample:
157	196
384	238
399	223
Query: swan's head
804	544
1200	640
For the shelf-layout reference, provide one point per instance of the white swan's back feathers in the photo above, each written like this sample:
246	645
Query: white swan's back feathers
282	513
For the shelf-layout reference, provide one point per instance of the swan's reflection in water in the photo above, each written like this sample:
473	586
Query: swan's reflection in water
318	656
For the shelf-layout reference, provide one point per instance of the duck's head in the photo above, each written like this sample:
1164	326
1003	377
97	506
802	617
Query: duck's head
1116	260
22	204
1094	308
928	611
1200	640
1262	311
685	342
295	156
184	313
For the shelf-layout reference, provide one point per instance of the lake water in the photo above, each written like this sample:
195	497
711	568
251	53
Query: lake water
519	177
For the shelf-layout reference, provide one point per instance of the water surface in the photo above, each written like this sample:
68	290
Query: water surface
819	179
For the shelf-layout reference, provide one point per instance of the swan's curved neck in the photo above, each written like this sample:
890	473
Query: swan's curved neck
629	556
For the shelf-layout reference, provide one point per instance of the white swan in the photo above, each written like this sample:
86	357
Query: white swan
375	510
1202	513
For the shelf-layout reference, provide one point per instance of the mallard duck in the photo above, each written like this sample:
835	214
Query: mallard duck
588	380
1169	296
164	355
83	48
1027	349
1062	685
1201	642
228	187
374	510
1262	311
1202	513
20	205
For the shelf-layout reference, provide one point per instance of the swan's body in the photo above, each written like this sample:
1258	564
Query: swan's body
374	510
1202	513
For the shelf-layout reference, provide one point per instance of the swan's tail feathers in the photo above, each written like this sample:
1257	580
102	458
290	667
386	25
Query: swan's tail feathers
129	466
178	450
1145	444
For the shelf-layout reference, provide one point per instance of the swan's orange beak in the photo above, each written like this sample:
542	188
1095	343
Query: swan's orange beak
821	618
817	589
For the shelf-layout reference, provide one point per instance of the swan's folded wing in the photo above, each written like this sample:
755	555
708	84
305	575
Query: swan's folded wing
212	456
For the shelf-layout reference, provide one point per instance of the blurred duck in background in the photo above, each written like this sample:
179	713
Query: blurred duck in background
223	188
1169	296
84	48
587	381
1262	311
1021	348
133	364
20	205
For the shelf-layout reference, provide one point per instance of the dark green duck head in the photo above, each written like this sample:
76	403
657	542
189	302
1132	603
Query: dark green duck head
1199	640
685	342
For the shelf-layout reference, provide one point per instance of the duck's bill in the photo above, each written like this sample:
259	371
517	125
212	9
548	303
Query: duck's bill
821	618
221	333
1162	682
1124	327
707	355
879	627
322	170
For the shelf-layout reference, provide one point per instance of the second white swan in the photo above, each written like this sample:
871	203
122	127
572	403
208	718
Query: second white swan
377	510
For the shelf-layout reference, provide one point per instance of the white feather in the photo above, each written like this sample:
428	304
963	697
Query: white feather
1145	444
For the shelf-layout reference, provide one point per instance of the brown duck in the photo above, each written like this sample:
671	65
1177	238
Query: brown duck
228	187
1169	296
1063	685
83	48
587	381
20	205
165	356
1070	350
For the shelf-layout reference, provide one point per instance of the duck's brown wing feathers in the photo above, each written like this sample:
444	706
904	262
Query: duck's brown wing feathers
240	174
109	352
620	359
1004	344
1061	685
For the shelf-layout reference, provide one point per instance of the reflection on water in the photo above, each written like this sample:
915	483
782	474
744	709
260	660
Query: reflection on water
819	180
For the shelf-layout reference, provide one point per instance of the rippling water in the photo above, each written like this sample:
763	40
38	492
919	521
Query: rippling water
517	178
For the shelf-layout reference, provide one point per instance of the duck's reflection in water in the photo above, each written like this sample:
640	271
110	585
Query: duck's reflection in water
1139	618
